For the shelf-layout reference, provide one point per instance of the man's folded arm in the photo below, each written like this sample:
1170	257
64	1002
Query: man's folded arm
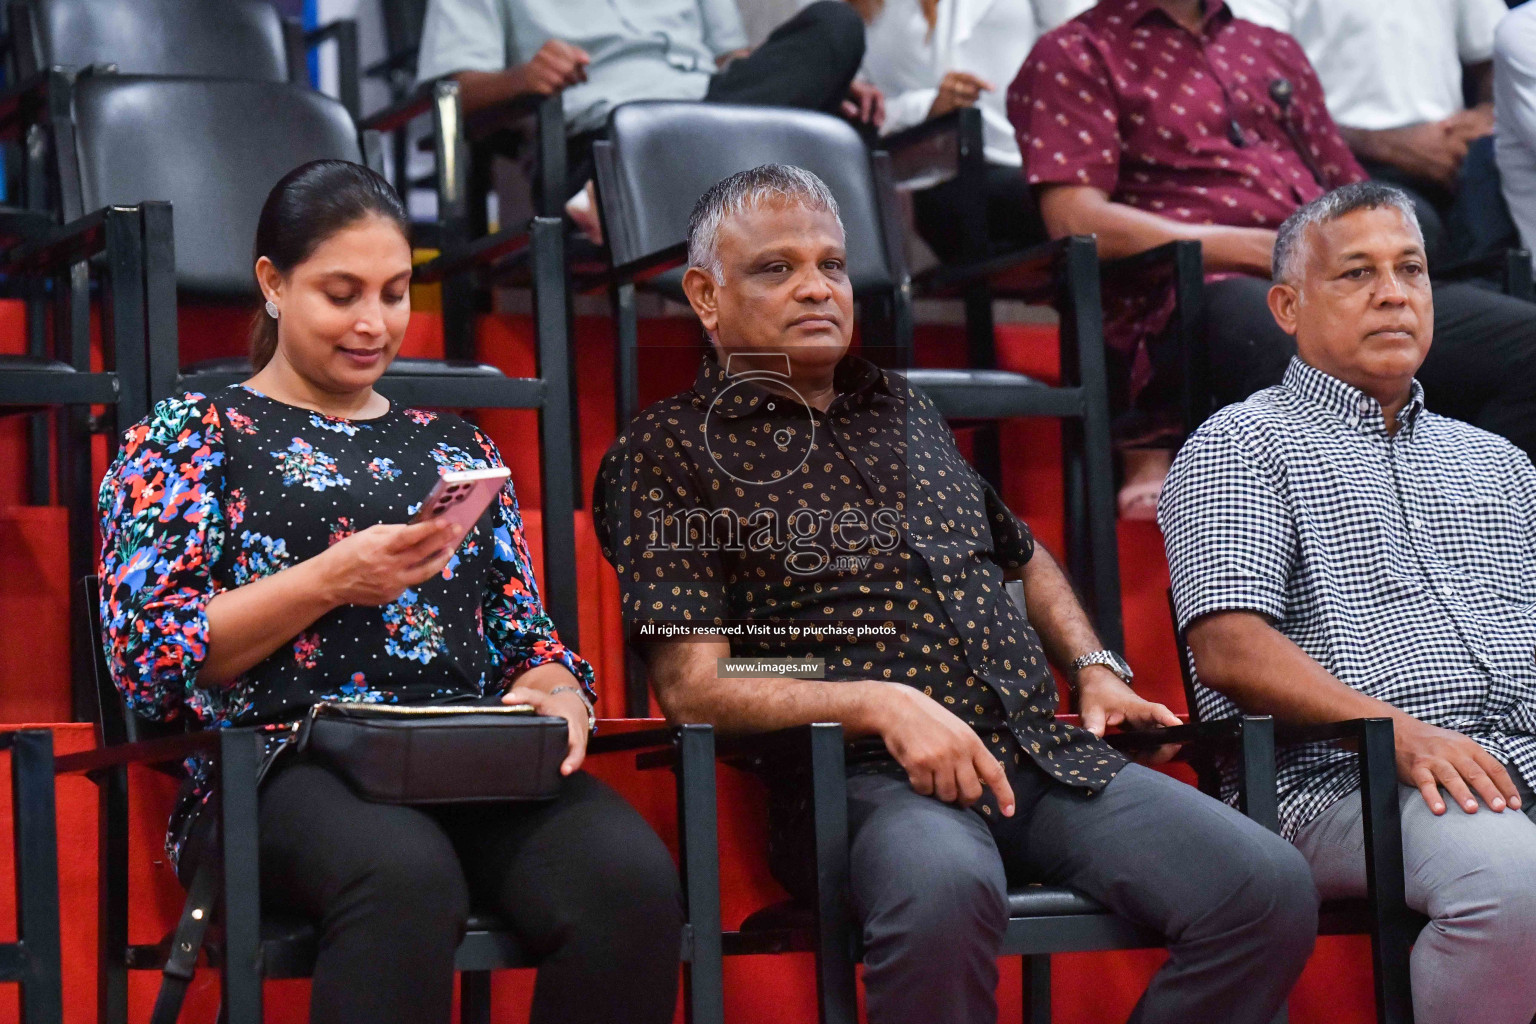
689	688
1124	230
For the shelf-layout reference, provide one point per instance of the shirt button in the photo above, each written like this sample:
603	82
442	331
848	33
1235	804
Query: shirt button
770	407
1450	590
1414	522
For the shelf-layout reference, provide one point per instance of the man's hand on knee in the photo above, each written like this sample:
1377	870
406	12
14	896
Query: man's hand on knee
1429	757
943	756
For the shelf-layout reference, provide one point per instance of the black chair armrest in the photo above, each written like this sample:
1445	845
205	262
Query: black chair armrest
403	60
19	227
15	100
398	115
339	30
1161	257
1223	731
1357	729
60	246
638	739
163	750
1511	268
949	125
1252	736
1033	269
937	150
647	266
504	248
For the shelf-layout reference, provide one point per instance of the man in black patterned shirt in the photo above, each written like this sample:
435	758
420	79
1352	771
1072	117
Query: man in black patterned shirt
1339	551
796	486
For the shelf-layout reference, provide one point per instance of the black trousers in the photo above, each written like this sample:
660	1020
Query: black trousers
582	880
808	62
1013	219
1481	367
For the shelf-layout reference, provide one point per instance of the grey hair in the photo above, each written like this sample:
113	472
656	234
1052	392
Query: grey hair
1362	195
749	190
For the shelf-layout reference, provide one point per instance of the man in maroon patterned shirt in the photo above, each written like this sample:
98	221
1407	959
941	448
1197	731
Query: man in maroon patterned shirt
1147	121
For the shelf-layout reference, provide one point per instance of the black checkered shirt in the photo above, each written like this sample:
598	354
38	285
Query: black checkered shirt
1403	564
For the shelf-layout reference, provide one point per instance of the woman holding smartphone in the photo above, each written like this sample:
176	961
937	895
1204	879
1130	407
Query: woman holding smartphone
258	557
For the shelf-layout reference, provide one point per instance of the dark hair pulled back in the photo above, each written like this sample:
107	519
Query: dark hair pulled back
310	204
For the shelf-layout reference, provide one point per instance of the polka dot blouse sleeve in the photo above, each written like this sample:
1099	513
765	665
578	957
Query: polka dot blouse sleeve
162	526
649	516
519	633
1063	110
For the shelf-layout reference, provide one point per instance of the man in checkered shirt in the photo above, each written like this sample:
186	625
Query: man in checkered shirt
1338	551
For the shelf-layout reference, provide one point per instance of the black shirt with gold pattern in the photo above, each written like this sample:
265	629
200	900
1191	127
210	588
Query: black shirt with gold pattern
732	505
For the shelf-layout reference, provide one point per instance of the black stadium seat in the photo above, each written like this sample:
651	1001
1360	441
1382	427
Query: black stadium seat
197	38
213	149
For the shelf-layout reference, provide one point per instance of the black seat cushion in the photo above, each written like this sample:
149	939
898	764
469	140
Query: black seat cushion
1049	901
213	149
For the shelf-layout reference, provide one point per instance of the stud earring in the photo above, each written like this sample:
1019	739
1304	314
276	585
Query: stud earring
271	309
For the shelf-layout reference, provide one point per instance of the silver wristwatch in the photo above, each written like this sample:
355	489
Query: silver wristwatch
1109	659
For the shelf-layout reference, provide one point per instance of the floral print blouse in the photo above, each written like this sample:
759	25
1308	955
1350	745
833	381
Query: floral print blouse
211	493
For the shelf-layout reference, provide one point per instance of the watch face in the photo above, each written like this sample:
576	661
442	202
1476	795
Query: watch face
1119	665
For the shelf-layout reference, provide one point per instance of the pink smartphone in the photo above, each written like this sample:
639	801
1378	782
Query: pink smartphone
460	496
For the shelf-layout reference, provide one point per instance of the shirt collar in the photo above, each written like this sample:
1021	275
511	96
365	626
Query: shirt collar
1135	12
1354	406
855	379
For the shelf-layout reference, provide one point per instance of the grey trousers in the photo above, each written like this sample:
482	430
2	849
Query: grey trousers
929	885
1474	876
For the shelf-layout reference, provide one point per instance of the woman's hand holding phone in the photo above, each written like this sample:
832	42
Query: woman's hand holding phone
376	565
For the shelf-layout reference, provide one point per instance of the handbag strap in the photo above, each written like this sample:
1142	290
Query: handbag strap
187	940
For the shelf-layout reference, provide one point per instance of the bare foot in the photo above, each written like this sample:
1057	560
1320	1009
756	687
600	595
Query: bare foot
582	208
1145	471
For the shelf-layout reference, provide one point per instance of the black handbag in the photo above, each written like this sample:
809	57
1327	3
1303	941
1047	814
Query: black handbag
438	754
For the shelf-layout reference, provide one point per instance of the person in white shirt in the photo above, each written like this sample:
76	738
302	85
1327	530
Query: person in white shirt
932	56
1514	104
1393	73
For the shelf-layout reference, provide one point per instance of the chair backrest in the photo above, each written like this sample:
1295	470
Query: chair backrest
213	38
114	722
211	148
664	155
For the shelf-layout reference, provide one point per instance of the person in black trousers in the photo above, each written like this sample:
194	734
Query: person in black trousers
256	559
599	54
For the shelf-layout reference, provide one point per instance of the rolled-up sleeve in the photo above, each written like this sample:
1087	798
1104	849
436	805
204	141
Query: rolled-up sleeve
1230	535
652	527
463	35
1063	110
162	528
